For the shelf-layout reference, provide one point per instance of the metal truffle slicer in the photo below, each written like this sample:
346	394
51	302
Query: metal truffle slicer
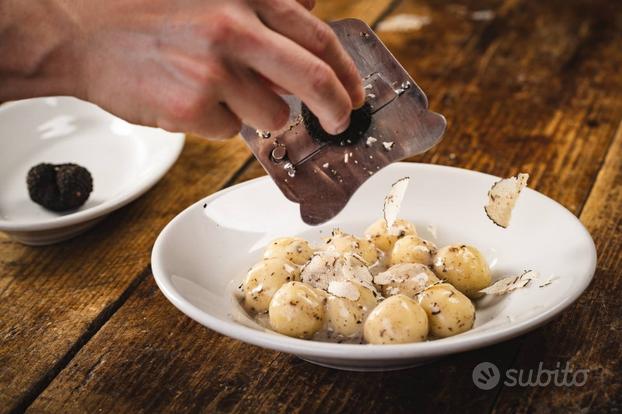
322	175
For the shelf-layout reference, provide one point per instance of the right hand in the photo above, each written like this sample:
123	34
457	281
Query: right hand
205	66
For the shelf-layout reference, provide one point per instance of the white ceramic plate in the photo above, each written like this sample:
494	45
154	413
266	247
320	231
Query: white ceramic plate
125	161
204	252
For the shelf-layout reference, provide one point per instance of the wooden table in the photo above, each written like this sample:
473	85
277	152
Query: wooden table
526	85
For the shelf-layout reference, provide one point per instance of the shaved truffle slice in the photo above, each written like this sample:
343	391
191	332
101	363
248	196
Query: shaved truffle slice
343	289
329	265
508	284
402	272
393	203
502	198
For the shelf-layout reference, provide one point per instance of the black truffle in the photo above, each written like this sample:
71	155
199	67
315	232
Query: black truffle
59	187
360	120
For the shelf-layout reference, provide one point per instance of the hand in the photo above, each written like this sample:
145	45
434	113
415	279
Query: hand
205	66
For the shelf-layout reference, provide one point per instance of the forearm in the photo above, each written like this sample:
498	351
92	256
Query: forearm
38	50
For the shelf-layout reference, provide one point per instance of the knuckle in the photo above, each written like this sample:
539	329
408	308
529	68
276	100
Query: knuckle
279	117
227	130
323	37
223	28
279	8
211	74
320	76
185	111
249	40
286	11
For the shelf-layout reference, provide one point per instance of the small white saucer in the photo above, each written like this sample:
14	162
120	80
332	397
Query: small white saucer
125	161
206	250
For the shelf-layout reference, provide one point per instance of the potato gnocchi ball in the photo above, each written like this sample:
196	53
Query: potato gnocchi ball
294	249
396	320
264	279
449	311
345	317
385	240
413	249
464	267
347	243
297	310
406	278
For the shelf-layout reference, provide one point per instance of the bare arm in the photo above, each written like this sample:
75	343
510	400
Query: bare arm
200	66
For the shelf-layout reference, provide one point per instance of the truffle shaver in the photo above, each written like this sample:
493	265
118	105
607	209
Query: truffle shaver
322	175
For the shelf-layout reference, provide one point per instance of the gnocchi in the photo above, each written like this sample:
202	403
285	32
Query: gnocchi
464	267
413	249
349	244
384	239
405	278
345	317
449	311
264	279
396	320
390	287
294	249
297	309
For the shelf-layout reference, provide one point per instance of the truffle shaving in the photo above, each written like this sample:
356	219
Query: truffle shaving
393	202
329	265
402	272
502	198
508	284
346	290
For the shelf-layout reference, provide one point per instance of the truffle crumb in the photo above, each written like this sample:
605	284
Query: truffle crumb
263	134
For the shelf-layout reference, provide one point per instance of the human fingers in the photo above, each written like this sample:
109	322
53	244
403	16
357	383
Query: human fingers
294	22
252	100
297	70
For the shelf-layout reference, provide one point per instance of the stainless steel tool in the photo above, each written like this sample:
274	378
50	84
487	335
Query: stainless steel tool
322	176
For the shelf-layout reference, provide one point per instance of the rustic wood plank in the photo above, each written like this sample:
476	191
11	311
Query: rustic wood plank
367	10
173	364
536	89
589	336
53	298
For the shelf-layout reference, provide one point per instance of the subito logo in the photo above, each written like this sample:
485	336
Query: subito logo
486	376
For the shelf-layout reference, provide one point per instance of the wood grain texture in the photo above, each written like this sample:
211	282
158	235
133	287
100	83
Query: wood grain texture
589	336
172	364
53	298
367	10
535	89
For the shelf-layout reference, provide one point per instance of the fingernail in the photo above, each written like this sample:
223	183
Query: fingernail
359	102
342	127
